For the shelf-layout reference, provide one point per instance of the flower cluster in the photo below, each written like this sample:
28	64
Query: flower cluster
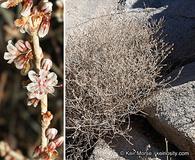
42	83
20	54
34	19
49	152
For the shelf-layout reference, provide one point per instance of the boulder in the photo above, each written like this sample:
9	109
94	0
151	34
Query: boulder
81	11
102	151
174	113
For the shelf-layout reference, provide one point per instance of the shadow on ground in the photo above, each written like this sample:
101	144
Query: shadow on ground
143	136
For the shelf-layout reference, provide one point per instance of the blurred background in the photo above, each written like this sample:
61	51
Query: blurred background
19	123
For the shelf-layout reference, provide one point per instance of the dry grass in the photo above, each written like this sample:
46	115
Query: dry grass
111	69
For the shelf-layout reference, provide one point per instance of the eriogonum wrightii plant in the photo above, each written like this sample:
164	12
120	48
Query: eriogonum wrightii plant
28	57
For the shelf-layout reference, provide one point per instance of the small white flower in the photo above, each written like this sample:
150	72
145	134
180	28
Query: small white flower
12	52
37	19
45	7
26	7
42	83
20	53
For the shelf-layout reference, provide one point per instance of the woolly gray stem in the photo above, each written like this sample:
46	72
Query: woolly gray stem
38	54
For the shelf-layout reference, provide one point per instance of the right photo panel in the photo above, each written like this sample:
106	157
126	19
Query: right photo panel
129	80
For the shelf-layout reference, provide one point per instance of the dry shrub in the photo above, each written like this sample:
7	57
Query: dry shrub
111	69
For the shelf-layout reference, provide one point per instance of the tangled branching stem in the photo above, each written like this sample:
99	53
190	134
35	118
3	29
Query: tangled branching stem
112	67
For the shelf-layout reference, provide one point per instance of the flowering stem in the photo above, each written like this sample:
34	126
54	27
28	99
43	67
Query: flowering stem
44	140
38	57
37	51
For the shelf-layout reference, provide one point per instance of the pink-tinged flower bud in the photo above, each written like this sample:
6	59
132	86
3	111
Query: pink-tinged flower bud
47	117
51	133
44	27
23	46
51	146
12	53
26	7
46	64
33	102
10	3
20	54
38	150
46	7
59	141
23	60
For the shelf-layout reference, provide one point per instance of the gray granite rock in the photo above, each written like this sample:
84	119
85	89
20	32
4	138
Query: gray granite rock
174	114
80	11
102	151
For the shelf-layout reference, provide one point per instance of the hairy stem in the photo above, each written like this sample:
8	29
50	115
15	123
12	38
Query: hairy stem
44	105
37	51
38	57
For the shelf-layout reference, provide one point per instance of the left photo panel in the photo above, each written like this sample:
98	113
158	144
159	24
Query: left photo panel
31	79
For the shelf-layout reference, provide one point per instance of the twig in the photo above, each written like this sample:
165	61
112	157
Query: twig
167	148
